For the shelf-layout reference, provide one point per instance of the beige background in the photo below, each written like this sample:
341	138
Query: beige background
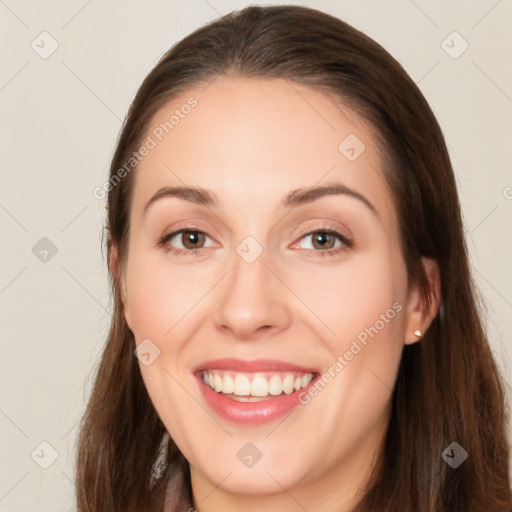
60	117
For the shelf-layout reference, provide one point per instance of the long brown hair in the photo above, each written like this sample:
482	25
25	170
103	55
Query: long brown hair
448	387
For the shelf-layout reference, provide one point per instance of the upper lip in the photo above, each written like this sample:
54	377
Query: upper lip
256	365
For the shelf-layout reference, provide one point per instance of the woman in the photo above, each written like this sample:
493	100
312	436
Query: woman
295	326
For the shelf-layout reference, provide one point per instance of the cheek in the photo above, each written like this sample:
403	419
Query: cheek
160	300
346	299
159	295
365	309
361	306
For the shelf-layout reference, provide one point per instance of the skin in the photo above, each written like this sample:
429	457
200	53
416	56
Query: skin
251	142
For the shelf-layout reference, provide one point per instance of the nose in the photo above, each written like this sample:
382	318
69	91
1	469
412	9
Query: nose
252	300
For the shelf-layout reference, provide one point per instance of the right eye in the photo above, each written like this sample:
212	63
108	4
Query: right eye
191	241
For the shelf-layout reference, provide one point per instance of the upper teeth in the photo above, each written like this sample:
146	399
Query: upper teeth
255	384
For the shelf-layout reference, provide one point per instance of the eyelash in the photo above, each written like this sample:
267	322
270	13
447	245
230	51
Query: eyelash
347	244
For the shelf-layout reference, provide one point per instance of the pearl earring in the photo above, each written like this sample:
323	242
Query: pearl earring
417	332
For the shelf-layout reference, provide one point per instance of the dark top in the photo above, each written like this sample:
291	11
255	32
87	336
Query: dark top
174	493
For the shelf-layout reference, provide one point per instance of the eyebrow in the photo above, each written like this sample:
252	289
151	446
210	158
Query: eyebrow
296	197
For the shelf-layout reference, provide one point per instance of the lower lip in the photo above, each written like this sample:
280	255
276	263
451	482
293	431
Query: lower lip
251	413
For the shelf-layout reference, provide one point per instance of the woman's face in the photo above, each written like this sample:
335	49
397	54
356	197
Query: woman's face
274	271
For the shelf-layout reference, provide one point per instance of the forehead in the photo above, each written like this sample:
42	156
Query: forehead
254	140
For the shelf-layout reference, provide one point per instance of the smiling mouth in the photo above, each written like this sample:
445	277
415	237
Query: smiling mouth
254	387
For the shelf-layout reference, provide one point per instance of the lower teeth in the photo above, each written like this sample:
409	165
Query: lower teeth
238	398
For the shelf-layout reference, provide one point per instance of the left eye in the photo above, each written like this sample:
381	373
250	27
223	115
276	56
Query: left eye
323	240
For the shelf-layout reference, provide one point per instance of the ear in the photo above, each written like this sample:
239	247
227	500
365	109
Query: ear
115	270
419	314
